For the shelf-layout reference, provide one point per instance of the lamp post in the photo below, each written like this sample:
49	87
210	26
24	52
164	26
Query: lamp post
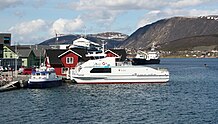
8	69
16	57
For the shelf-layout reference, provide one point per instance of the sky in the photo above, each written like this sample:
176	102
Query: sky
33	21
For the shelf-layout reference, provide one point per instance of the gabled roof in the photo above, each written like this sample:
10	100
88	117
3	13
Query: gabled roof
38	53
38	50
112	52
11	48
120	52
53	55
24	53
82	52
68	52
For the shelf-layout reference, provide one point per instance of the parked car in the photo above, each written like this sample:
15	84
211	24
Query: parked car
27	71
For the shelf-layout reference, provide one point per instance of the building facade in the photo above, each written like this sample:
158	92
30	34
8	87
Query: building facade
5	38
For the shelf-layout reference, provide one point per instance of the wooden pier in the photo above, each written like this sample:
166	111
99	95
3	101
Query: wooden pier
9	86
9	82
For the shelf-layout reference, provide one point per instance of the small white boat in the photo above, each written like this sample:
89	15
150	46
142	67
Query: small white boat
108	71
44	79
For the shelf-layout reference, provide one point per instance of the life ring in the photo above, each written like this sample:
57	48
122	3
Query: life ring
103	63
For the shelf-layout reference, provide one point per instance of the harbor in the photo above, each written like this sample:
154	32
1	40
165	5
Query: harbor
108	62
9	81
189	97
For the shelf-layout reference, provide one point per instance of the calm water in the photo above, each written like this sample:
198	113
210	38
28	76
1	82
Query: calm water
191	96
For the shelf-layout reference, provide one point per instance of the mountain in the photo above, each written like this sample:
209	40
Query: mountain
177	33
112	39
172	34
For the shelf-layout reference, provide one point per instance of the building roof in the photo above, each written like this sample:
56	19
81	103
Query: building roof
68	52
112	52
120	52
53	55
11	48
82	52
24	53
39	53
37	49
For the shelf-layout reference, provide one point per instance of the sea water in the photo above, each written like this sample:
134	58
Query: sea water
191	96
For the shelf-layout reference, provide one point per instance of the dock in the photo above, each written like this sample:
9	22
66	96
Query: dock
10	82
9	86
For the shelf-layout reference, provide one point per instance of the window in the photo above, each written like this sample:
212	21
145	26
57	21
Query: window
64	70
101	70
7	38
5	50
69	60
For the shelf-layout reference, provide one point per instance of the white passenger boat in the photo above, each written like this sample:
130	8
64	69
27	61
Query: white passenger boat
44	79
108	71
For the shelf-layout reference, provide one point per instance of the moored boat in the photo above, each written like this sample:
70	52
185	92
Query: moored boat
143	58
44	79
108	71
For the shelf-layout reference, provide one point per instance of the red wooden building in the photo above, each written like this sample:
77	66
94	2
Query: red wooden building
65	60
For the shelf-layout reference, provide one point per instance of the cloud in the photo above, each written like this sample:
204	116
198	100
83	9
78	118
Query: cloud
186	3
38	3
28	32
105	12
35	31
26	28
113	5
66	26
102	17
19	14
9	3
130	4
99	15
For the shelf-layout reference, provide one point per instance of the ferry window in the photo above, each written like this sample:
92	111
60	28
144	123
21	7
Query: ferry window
69	60
101	70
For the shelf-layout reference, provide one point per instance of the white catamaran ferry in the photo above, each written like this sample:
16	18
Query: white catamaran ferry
108	71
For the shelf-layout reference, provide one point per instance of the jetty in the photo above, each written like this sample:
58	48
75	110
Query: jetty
9	86
9	82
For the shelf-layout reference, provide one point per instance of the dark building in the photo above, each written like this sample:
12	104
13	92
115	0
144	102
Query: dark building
5	38
1	50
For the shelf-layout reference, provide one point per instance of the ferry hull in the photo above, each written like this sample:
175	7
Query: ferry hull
44	84
117	80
